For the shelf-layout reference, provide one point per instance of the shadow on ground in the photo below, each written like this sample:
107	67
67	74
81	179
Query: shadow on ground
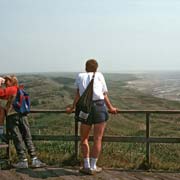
45	173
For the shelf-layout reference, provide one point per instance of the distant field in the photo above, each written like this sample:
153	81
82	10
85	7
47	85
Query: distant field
55	91
160	84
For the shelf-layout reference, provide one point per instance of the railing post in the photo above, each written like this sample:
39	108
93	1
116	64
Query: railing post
76	140
147	138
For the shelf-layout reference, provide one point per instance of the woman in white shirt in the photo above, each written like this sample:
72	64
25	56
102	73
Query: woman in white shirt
97	117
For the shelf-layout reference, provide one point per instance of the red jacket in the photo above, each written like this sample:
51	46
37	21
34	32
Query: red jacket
5	93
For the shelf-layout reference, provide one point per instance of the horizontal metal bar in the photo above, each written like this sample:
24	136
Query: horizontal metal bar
108	139
164	140
55	138
4	146
47	111
119	111
151	111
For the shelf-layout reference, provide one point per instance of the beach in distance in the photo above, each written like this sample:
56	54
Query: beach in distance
163	84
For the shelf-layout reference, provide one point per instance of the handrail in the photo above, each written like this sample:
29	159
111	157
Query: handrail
142	139
119	111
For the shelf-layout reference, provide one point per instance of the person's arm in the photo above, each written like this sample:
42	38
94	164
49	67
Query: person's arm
9	94
2	92
2	81
71	108
9	104
111	108
5	93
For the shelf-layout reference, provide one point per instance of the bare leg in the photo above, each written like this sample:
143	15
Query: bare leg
84	131
98	134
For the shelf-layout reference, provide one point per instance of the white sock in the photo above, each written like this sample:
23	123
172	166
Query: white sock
93	163
86	163
34	158
1	129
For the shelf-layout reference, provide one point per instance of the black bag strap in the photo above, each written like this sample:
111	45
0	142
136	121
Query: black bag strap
93	76
88	93
89	90
90	86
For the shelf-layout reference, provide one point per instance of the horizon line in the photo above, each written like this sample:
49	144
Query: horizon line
110	72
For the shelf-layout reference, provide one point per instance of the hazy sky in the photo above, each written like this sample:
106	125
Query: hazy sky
60	35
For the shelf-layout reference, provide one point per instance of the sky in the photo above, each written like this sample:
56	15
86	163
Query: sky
60	35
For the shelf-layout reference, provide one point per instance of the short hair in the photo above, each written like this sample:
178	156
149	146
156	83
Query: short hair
91	65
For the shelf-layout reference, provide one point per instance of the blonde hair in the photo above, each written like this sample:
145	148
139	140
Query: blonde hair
14	80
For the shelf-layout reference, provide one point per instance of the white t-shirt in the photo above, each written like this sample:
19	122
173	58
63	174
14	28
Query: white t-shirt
99	86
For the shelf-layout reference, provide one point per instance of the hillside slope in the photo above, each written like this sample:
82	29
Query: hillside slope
56	92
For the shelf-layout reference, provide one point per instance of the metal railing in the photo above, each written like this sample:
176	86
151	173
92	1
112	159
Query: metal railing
132	139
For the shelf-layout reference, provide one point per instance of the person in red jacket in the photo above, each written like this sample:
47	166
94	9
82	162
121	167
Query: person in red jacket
8	94
19	126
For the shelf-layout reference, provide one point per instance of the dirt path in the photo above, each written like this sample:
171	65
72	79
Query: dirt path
51	173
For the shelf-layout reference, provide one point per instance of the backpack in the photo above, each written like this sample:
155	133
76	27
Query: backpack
21	103
83	106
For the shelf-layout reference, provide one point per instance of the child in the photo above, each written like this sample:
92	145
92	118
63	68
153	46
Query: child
19	126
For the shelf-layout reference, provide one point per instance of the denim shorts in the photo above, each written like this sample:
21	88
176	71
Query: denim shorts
98	113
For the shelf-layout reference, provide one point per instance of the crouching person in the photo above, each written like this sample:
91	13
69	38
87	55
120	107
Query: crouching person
19	127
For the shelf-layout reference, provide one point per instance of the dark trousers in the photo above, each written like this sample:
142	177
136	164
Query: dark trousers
21	135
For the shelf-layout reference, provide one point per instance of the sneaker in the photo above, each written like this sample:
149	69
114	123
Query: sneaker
36	163
97	170
90	171
21	164
85	171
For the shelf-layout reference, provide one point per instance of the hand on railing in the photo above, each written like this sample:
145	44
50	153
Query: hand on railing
113	110
69	109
